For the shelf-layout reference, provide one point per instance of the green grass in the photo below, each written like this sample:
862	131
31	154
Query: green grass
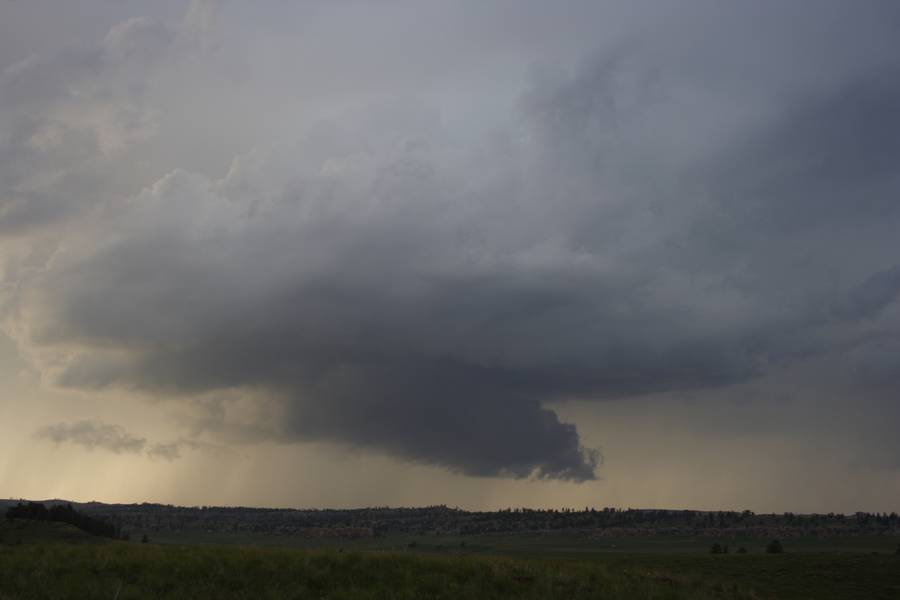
52	561
123	571
555	544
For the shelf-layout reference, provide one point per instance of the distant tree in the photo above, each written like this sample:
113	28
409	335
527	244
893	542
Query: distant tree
774	547
716	548
34	511
62	513
145	539
742	550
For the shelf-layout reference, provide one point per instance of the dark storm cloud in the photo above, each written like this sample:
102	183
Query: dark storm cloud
651	221
874	294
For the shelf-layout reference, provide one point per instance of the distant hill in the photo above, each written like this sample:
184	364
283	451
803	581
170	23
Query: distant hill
378	521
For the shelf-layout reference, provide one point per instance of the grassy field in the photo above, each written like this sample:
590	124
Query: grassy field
557	545
55	561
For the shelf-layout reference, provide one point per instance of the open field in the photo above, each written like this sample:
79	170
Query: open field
556	544
41	560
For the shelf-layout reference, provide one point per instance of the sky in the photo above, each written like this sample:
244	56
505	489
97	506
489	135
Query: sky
482	254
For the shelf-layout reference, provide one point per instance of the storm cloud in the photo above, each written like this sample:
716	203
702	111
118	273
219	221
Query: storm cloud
685	206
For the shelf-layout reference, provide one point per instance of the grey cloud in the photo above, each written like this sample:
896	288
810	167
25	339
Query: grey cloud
73	124
873	294
93	435
164	451
139	38
645	223
873	364
96	435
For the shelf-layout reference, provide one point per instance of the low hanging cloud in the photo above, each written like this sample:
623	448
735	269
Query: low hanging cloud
643	223
96	435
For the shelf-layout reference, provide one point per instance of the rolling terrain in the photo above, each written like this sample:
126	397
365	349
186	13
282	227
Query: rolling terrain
56	560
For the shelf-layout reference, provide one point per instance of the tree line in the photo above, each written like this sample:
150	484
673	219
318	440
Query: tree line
63	513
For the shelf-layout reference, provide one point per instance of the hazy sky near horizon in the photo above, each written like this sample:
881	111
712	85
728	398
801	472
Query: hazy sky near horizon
487	254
